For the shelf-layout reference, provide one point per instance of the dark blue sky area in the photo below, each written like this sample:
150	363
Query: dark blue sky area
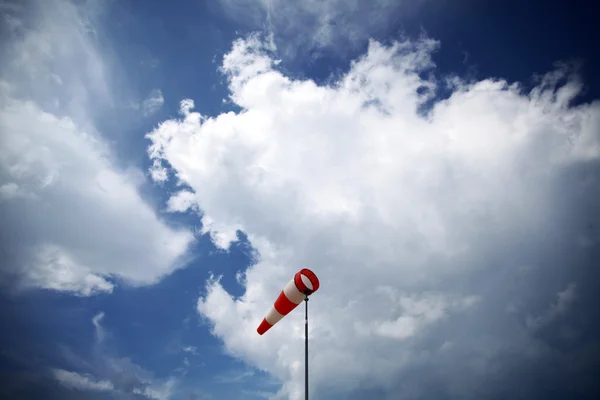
483	39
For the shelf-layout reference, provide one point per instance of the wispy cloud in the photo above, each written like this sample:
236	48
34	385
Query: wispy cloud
153	102
234	376
97	324
191	349
312	26
110	372
82	382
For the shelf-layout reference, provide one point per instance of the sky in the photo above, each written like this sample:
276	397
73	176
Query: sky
167	167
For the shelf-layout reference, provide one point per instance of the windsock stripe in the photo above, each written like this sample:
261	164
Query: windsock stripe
283	305
273	316
263	327
292	293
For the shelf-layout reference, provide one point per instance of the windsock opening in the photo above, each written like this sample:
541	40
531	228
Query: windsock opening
306	281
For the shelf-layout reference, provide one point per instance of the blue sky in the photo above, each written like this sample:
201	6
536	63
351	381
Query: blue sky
449	212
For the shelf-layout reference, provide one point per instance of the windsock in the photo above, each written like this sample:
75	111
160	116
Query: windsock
304	284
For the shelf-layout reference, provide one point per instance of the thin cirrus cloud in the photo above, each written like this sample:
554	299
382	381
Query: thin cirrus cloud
121	377
437	230
72	219
74	380
304	27
153	102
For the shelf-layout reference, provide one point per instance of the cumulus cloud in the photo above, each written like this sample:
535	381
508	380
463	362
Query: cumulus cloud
180	201
76	218
424	218
158	173
153	103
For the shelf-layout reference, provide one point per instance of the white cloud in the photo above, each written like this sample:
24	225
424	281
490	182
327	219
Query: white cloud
54	269
158	173
75	215
153	103
75	380
85	218
186	106
180	201
417	226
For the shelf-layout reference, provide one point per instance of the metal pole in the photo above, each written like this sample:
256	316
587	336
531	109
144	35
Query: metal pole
306	348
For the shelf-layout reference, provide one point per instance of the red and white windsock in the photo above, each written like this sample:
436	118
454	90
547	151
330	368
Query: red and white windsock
304	284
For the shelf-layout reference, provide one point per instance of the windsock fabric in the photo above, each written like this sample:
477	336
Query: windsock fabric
303	284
